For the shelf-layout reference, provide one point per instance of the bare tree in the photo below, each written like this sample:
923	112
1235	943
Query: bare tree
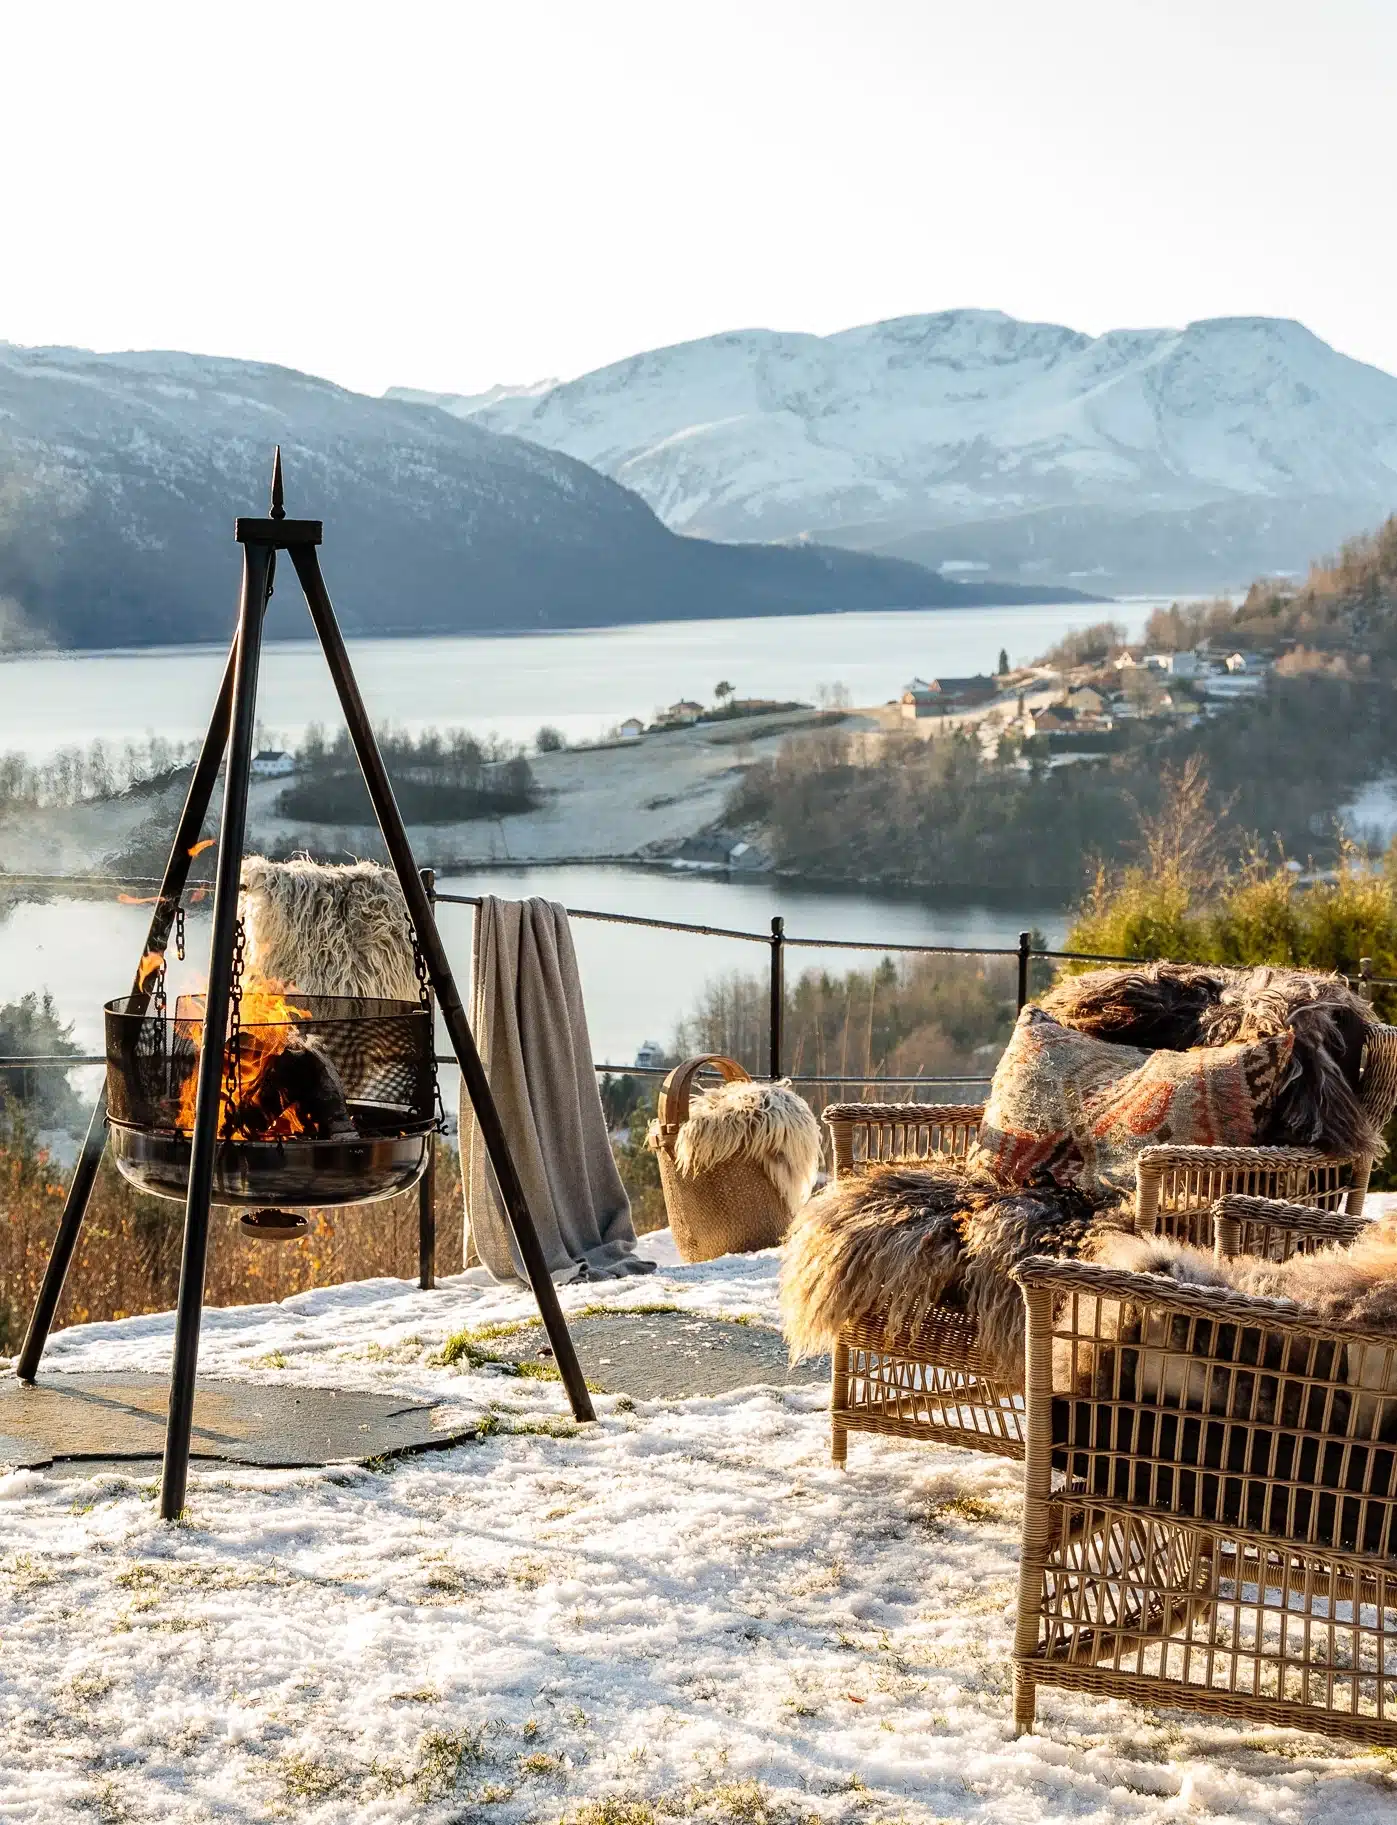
1180	841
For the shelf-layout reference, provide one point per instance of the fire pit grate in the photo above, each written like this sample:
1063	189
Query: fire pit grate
326	1099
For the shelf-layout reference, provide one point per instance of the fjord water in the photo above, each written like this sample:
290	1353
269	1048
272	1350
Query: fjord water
582	683
638	982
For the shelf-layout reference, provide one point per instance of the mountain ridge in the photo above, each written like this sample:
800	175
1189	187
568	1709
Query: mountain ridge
896	435
120	476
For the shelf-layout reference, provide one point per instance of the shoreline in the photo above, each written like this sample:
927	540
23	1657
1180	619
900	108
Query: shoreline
1049	598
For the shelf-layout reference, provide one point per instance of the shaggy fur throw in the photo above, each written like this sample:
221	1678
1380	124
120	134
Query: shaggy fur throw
1175	1006
1353	1288
769	1125
328	930
886	1245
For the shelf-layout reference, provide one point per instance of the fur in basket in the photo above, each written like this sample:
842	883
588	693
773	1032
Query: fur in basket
1175	1006
884	1246
328	929
768	1125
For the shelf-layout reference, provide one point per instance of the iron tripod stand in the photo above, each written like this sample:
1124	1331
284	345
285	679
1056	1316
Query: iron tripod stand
231	726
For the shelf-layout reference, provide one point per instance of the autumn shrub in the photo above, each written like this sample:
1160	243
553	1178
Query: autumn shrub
128	1253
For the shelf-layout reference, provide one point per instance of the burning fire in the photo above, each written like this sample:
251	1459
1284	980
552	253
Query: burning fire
200	847
149	968
266	1109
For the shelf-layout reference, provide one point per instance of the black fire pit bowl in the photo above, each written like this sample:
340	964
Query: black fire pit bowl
363	1080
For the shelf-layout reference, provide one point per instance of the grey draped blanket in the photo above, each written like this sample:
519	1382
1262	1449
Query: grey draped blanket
531	1028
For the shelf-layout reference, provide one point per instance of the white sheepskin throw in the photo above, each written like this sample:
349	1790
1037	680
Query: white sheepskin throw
768	1125
328	929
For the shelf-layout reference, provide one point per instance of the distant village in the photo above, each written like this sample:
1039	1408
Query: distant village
1038	714
727	707
1057	714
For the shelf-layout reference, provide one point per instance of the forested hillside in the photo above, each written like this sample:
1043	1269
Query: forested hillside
1280	764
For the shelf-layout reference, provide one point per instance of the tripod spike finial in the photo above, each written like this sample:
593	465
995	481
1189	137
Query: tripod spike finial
278	501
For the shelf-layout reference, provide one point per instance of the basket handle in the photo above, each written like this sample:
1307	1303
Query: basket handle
674	1091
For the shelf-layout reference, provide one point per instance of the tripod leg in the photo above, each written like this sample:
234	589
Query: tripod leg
427	1184
427	1220
453	1014
191	822
258	562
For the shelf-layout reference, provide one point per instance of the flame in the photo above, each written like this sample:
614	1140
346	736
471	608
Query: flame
134	899
148	969
199	848
266	1025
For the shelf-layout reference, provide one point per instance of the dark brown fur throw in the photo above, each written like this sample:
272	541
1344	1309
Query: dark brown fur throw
1173	1006
885	1246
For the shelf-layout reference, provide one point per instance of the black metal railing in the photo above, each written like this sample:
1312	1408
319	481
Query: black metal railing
777	941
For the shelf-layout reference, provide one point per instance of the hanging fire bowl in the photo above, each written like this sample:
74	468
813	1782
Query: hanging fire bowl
326	1099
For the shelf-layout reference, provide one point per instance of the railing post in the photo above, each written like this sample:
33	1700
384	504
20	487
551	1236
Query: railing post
1025	951
427	1184
778	994
1365	978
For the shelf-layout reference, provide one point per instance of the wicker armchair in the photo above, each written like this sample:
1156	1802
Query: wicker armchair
931	1382
1210	1504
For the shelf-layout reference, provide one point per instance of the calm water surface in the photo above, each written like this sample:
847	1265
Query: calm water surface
583	683
638	983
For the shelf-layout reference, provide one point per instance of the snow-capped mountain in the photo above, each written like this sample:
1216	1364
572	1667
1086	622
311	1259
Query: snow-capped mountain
120	476
970	435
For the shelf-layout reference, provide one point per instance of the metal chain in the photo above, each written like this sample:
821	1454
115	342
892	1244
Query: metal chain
161	1031
232	1057
424	999
179	933
419	964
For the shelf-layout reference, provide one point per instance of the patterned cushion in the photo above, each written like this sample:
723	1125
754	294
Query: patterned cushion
1078	1109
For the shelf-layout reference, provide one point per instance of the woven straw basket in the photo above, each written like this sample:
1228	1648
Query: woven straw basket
732	1209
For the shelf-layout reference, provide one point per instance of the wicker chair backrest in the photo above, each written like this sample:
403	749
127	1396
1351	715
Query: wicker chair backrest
1377	1086
861	1134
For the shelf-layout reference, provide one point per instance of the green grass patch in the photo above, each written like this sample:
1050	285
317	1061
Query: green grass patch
441	1755
304	1778
624	1311
503	1327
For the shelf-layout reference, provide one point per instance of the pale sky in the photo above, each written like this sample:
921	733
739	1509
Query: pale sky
448	195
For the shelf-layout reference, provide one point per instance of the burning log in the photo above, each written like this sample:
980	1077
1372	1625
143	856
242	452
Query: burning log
294	1091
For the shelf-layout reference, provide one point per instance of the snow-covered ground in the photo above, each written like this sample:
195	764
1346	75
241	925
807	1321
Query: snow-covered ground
680	1612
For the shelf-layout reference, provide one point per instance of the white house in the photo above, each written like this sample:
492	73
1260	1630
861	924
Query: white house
272	763
632	729
650	1055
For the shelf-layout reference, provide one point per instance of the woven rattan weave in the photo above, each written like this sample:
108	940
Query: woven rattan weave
1210	1510
731	1209
930	1383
